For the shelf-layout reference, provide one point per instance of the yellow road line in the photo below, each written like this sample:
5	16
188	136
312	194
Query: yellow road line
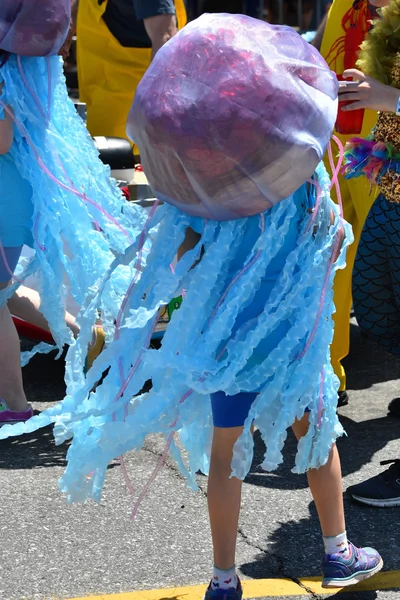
257	588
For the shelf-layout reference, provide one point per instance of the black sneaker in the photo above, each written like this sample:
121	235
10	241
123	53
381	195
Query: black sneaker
394	407
383	490
343	398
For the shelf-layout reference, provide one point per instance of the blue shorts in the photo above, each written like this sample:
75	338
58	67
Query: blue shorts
232	411
16	207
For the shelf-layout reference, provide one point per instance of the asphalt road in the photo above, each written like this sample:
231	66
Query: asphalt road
51	550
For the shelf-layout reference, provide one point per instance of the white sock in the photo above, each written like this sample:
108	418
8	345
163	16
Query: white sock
337	543
224	578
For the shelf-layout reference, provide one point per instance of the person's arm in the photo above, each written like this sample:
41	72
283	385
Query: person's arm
160	29
317	41
159	18
369	93
74	10
65	48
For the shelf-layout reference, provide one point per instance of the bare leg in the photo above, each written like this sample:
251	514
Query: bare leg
326	487
25	304
224	496
11	386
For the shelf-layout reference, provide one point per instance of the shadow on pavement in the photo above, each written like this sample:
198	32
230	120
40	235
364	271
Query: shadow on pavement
32	450
35	450
44	378
43	382
357	449
297	544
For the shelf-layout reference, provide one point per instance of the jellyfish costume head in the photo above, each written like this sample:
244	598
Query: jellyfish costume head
232	119
233	116
33	27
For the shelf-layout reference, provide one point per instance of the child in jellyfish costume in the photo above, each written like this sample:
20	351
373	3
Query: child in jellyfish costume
231	142
55	194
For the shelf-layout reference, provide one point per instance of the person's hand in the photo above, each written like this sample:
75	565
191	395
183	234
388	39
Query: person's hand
369	93
339	238
66	47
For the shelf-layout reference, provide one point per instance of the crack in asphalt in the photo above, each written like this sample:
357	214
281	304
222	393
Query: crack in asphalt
280	571
308	590
277	572
167	464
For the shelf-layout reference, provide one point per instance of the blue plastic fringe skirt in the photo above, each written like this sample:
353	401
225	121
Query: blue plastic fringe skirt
81	222
199	354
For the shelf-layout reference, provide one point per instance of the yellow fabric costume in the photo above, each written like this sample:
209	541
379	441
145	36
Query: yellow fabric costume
357	196
108	72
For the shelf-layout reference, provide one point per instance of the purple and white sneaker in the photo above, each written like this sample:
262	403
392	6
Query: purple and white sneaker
10	417
224	594
340	570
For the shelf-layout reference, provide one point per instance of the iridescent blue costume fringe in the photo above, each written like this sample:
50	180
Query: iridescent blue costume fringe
81	221
192	363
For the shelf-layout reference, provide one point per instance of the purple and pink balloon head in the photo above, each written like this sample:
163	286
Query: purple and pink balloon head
34	27
232	116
